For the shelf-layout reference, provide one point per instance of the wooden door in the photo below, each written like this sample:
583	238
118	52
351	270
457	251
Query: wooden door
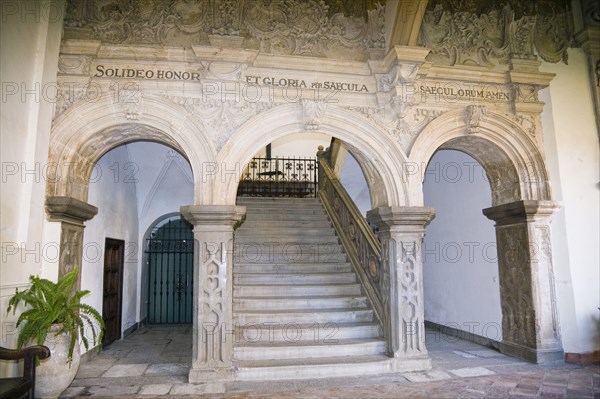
113	289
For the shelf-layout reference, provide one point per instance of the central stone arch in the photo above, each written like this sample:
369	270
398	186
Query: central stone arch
521	208
378	155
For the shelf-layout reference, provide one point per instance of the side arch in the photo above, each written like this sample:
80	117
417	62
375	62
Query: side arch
381	159
86	131
514	164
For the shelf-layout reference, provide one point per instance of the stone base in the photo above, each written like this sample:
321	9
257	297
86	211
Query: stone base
412	364
218	376
532	355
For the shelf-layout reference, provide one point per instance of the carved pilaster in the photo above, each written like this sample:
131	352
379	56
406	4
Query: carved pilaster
401	231
212	350
71	213
530	328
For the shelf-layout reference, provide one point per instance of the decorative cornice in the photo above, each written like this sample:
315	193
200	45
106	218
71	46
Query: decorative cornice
69	210
520	211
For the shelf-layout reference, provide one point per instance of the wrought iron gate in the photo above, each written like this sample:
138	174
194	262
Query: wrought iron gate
280	177
170	252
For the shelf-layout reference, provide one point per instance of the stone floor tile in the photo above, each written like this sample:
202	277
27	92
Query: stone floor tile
472	372
72	392
197	389
125	370
113	391
155	389
168	369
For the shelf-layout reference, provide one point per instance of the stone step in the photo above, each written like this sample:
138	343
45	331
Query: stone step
347	315
289	257
266	268
286	231
293	278
342	366
314	303
247	242
268	223
274	202
305	350
297	290
310	332
290	216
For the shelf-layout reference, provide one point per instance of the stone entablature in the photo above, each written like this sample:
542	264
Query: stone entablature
401	93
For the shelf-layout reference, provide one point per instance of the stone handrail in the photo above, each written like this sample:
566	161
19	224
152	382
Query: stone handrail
359	241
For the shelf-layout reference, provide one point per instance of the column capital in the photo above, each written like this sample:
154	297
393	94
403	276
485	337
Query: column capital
520	211
69	210
219	216
403	218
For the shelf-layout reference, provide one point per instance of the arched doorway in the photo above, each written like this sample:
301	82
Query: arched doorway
460	264
521	209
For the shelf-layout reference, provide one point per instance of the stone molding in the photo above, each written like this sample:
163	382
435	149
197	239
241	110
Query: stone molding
412	219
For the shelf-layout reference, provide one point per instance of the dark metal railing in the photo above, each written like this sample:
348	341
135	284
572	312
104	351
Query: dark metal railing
280	177
359	241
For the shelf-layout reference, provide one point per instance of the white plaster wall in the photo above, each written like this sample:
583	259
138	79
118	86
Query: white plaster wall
29	45
353	180
572	152
299	145
459	250
117	218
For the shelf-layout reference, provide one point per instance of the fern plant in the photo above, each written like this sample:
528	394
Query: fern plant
49	304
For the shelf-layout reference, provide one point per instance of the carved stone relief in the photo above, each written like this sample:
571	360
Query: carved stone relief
222	118
403	126
310	27
518	316
312	112
409	294
212	302
467	35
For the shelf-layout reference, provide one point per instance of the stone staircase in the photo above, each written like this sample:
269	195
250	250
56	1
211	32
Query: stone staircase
298	307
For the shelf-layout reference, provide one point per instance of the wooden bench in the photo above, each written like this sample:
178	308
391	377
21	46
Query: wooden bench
22	387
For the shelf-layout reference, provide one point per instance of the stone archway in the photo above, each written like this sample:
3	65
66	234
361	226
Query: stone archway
521	208
88	130
380	157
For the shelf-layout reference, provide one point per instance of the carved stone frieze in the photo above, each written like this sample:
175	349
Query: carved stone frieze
299	27
464	35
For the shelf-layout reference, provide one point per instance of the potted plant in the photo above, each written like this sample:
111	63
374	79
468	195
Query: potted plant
54	316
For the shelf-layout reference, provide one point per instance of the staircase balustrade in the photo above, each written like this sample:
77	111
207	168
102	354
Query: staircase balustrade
359	241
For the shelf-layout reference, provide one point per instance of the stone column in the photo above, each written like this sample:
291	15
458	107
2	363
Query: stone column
530	328
71	213
401	231
212	351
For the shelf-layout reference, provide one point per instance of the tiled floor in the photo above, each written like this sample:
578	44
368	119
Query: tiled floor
154	362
